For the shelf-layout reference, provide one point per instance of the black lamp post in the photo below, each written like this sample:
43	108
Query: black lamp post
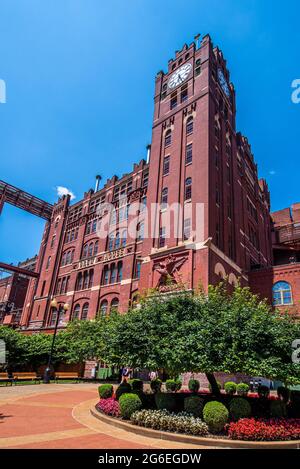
59	309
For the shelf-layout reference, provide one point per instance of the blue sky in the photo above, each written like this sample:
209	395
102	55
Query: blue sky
80	79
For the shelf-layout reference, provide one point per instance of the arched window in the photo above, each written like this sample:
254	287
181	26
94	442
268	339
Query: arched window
96	247
117	241
113	274
105	276
85	310
168	138
282	294
103	308
120	271
189	126
85	251
76	312
114	305
188	189
79	281
124	238
91	249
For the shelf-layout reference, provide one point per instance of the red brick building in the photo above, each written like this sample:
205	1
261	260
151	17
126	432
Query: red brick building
194	213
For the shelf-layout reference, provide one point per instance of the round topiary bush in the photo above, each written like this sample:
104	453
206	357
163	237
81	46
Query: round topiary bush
136	384
263	391
165	401
278	409
215	415
123	388
283	393
173	385
194	385
239	408
156	385
242	389
230	388
105	391
194	405
129	403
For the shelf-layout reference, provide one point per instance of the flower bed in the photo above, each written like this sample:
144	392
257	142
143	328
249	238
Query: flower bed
109	407
264	430
170	422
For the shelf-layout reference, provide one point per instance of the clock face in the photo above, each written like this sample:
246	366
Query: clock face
179	76
223	83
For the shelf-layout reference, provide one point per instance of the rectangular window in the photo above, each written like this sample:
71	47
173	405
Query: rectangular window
187	229
166	167
173	102
137	273
162	237
189	153
184	94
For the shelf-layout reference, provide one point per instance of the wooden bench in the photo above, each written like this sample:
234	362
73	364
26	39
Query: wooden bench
5	377
25	375
66	375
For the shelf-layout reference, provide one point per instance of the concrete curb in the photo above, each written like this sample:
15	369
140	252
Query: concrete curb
209	442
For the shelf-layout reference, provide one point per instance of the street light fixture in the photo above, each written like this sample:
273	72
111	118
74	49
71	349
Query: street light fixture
59	310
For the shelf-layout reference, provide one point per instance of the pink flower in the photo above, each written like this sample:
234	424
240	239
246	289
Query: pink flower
109	407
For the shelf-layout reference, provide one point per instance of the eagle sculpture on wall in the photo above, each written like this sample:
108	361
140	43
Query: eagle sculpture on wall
169	272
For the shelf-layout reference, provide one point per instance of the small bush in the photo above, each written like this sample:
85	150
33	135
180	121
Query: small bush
168	422
129	403
263	391
219	386
283	393
123	388
165	401
194	385
173	385
215	415
242	389
230	388
277	409
155	385
136	384
105	391
239	408
194	405
109	406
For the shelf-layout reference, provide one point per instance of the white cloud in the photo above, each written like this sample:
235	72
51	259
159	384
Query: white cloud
61	190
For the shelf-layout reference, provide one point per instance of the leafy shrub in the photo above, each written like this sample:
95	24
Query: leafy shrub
173	385
109	406
129	403
194	385
230	387
239	408
283	393
165	421
165	401
263	391
215	415
266	430
123	388
136	384
194	405
277	409
219	386
155	385
242	389
105	391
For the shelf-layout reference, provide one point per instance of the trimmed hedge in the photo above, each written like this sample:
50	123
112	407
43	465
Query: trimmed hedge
123	388
105	391
173	385
129	403
215	415
242	389
230	387
194	385
194	405
165	401
239	408
156	385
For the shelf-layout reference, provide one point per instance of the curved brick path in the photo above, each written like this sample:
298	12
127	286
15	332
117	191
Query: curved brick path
57	416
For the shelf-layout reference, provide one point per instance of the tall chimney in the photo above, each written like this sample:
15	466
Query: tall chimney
148	147
98	179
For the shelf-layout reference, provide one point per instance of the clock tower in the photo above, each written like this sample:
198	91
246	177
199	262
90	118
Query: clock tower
196	196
